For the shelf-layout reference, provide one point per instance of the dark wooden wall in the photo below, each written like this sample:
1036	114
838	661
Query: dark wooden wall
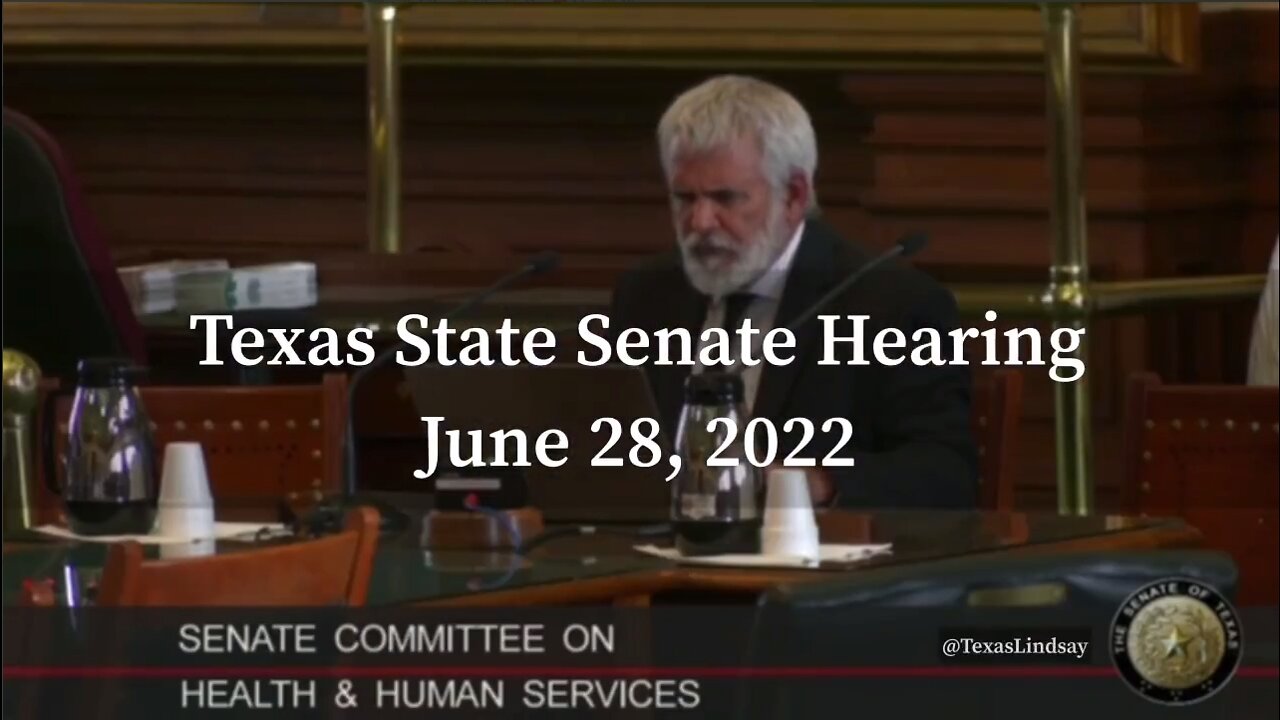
269	163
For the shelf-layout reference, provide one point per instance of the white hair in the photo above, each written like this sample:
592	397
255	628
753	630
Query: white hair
729	107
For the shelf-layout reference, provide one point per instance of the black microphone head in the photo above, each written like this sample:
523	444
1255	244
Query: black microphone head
544	262
913	243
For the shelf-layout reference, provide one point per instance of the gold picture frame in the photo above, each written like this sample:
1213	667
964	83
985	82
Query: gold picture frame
818	36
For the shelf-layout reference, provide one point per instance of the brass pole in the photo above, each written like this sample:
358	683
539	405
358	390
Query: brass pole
384	127
1068	287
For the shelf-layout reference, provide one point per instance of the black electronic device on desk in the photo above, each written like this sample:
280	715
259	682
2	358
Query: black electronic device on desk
493	488
565	397
480	508
395	518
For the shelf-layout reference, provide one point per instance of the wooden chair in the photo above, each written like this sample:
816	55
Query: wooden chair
333	570
260	442
1208	454
996	416
330	571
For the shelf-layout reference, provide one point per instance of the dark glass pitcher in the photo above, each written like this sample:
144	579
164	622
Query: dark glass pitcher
715	509
111	485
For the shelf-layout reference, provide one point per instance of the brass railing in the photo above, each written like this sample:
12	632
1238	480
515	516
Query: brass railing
1069	299
1104	297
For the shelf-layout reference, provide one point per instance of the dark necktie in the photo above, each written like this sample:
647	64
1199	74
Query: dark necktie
735	310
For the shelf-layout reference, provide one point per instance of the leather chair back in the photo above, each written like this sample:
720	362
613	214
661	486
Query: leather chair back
62	293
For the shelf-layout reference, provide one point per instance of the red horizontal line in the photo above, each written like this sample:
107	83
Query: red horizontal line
959	671
956	671
56	672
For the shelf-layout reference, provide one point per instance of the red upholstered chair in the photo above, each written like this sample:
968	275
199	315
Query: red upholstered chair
328	571
1210	454
996	418
261	443
332	570
62	293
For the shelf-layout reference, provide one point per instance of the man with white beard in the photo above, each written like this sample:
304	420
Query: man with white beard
739	156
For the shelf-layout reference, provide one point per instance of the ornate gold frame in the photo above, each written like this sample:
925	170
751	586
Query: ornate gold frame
799	36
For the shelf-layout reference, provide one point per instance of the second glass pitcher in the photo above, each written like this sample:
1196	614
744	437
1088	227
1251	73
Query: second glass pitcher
715	509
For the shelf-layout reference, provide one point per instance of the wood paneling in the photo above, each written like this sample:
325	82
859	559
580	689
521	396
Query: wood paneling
268	162
180	160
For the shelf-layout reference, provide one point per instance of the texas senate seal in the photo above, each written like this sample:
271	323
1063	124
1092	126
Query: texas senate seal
1176	641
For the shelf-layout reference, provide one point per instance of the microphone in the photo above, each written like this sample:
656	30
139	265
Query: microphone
543	262
906	246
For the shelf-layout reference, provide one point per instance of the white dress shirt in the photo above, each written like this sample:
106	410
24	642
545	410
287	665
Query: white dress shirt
762	310
1264	348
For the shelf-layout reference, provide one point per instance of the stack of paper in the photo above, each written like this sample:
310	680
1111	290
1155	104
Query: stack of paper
152	288
827	553
274	286
221	531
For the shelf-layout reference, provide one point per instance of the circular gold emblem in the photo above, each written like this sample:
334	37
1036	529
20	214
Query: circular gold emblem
1176	641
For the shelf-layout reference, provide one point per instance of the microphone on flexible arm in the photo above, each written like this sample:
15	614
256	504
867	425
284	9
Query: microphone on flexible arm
541	263
906	246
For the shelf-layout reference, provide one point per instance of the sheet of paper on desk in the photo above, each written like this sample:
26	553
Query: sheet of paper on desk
221	531
838	554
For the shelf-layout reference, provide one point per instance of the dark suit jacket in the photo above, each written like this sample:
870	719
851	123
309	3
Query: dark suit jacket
912	444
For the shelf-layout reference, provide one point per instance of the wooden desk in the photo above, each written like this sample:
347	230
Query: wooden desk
917	539
605	569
